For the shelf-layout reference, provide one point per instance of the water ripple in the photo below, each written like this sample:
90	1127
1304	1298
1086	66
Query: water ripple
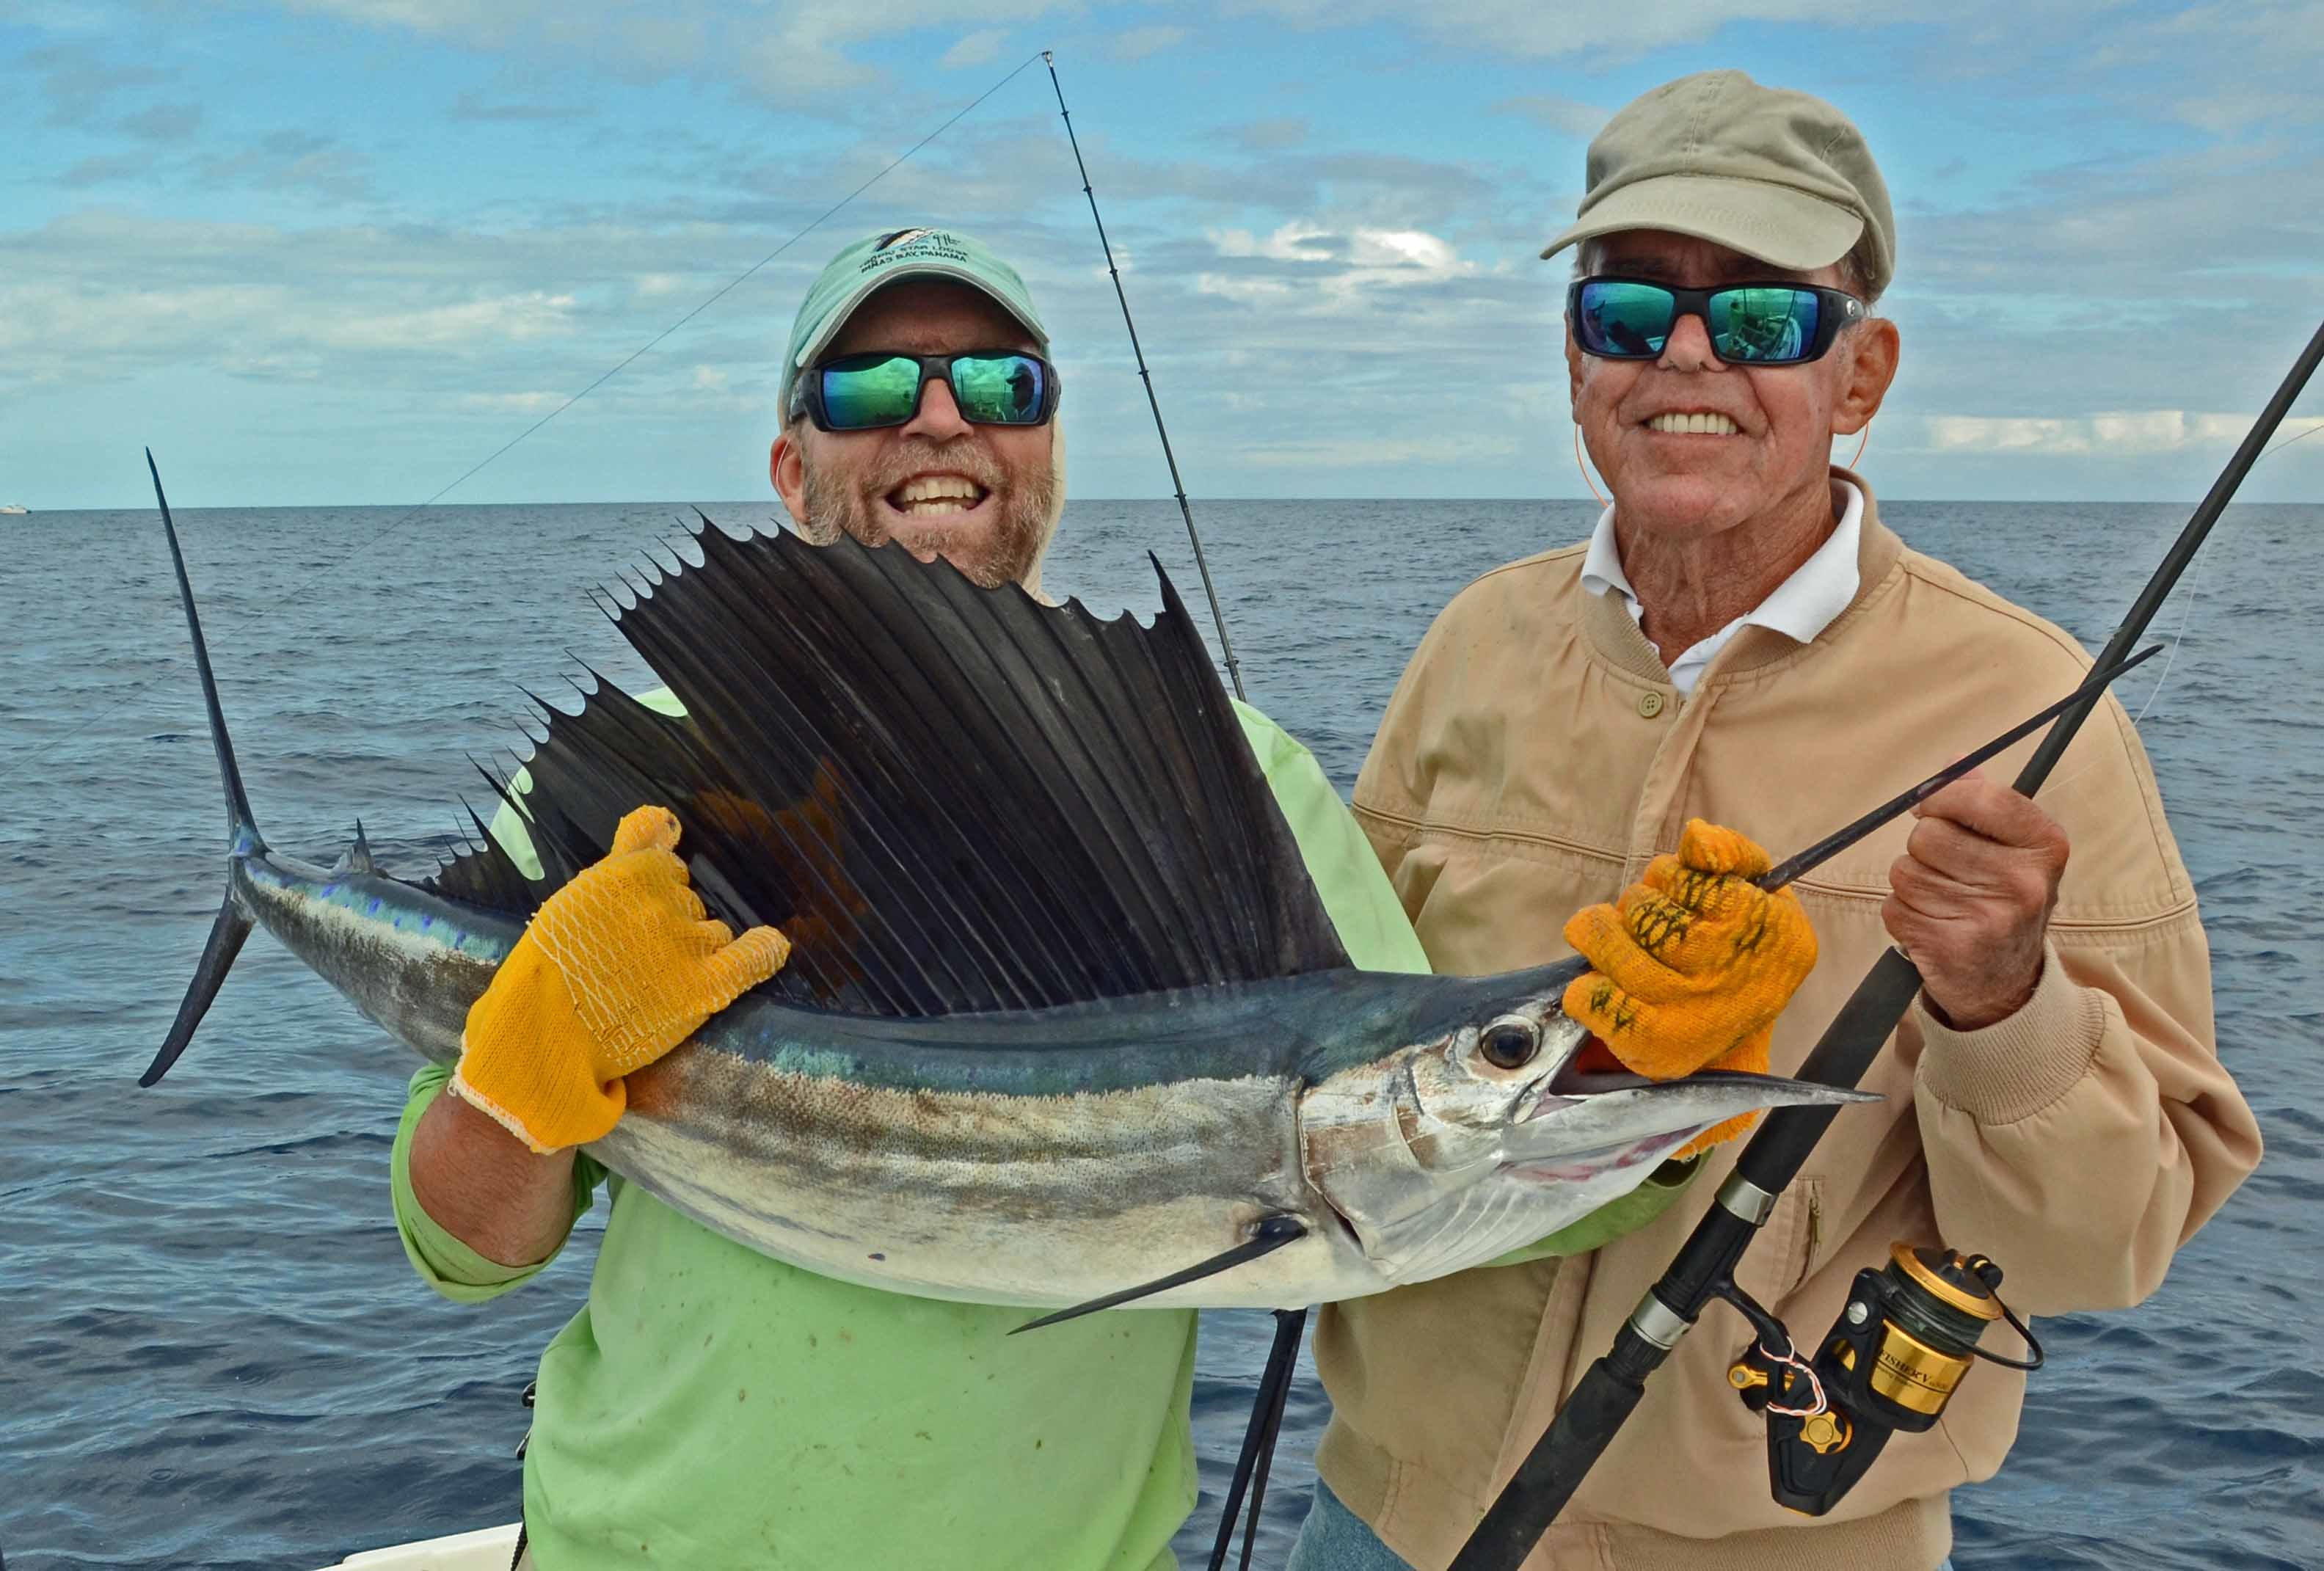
216	1355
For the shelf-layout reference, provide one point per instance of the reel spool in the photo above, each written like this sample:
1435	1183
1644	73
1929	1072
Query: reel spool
1891	1362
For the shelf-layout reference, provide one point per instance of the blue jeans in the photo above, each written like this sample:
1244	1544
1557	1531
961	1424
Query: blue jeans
1335	1539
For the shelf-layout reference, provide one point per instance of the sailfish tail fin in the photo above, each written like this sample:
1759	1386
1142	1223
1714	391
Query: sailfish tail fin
233	924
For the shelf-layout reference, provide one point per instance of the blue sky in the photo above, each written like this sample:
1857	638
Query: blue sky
338	251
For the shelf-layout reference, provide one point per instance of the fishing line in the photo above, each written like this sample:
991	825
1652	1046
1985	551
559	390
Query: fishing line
377	537
2193	591
1266	1421
1185	511
2302	437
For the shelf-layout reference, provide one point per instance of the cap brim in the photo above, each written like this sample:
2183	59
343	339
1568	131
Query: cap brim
1775	223
851	302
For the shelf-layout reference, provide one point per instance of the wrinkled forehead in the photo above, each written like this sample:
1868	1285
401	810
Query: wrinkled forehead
930	315
1683	259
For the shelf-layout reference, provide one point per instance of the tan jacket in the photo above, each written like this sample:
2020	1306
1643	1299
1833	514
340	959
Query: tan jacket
1533	760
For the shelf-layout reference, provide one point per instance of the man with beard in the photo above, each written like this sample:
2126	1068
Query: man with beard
712	1407
965	462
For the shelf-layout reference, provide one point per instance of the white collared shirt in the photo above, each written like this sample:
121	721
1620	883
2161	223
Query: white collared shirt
1802	605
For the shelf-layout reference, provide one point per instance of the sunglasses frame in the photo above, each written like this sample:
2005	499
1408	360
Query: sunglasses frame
1839	310
933	367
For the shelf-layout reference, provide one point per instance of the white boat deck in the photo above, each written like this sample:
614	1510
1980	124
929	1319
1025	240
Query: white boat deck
486	1549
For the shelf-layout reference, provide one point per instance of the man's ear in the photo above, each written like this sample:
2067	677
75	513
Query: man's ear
1573	374
1872	367
788	469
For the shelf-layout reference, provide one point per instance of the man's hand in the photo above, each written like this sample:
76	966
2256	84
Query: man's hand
617	968
1971	899
1692	965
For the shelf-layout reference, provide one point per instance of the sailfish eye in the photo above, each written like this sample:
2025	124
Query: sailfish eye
1509	1042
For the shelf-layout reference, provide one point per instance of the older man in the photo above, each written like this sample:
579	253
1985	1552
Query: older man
1742	639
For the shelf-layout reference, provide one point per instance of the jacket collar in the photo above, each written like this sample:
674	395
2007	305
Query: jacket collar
1605	620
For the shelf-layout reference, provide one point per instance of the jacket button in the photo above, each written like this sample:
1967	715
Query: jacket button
1650	704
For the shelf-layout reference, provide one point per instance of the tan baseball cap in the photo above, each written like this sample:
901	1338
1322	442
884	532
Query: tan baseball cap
1776	174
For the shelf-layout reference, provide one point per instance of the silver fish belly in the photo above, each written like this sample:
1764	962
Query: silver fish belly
1048	1157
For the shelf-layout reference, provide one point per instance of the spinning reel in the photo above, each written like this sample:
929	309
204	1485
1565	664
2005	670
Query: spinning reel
1890	1361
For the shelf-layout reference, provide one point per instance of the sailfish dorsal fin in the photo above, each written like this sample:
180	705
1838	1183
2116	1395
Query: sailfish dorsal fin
949	798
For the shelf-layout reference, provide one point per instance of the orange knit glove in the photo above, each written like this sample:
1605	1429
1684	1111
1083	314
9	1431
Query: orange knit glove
616	968
1692	965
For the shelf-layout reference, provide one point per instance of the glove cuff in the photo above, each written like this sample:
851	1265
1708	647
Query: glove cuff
528	1063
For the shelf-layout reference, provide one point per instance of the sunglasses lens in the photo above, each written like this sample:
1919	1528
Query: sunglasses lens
860	393
1623	321
999	389
1763	325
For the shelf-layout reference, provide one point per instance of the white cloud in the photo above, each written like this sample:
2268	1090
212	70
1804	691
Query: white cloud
1407	248
2232	111
1371	450
52	332
2114	260
2130	432
974	49
1294	242
1570	116
1139	43
792	52
104	295
540	403
1371	255
1267	136
465	328
1529	27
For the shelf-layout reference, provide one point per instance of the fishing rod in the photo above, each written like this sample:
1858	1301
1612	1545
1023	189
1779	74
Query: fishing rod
1705	1266
1274	1394
1185	509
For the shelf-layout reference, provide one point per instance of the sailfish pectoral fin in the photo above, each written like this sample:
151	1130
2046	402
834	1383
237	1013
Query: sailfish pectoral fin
1271	1233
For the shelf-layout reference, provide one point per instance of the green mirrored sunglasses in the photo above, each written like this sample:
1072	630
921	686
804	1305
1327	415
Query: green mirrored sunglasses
862	393
1749	324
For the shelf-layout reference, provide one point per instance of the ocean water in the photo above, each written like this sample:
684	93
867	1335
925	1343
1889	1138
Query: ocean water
212	1352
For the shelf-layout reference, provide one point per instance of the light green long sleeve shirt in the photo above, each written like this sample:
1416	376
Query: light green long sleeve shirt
711	1407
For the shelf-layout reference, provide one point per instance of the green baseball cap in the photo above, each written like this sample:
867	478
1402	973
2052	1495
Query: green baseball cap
1776	174
877	261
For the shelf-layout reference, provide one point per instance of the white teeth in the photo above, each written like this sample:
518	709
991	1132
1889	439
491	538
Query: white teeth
938	487
933	494
1694	425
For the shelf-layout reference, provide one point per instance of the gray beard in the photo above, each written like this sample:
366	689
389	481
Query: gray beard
1006	553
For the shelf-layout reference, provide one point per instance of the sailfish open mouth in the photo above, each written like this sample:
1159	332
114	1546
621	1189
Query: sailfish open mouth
1592	1069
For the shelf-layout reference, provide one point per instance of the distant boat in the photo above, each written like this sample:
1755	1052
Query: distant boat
15	507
